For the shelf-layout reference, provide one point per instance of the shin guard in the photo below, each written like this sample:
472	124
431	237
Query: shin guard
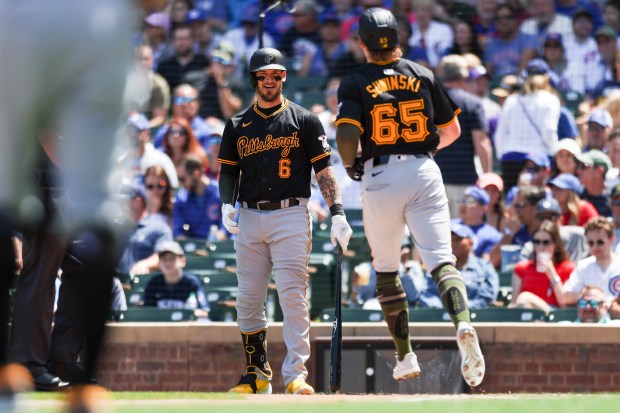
255	347
393	300
452	292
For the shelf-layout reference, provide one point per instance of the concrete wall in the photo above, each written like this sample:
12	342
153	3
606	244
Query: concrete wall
520	357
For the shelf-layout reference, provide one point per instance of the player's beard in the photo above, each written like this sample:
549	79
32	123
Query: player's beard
270	95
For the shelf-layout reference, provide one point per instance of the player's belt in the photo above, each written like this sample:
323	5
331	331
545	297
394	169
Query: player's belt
272	206
385	159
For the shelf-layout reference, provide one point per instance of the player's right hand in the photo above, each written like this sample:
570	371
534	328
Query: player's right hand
228	218
341	231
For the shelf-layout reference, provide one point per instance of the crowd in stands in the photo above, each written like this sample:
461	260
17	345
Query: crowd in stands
537	165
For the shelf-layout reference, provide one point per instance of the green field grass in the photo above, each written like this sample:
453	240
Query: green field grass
227	403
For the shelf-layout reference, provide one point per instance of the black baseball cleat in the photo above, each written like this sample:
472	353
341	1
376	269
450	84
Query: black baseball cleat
49	382
73	373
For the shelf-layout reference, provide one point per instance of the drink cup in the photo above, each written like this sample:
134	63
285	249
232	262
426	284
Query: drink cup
542	259
510	256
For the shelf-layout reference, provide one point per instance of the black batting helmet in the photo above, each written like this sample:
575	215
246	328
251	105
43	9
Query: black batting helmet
378	29
263	59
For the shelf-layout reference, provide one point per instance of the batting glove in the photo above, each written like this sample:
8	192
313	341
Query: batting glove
228	218
356	171
341	231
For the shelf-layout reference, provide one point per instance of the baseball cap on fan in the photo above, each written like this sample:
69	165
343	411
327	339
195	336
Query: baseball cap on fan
462	230
490	178
170	246
158	20
480	195
547	208
378	29
196	16
539	159
601	117
567	181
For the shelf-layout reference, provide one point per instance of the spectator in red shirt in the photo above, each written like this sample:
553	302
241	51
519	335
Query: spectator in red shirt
531	287
575	211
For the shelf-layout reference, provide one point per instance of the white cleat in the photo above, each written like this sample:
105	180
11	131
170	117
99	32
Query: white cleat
407	368
472	361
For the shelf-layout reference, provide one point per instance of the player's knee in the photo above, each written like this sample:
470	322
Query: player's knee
388	281
445	272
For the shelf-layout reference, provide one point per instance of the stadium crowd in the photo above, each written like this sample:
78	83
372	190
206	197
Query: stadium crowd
536	82
533	182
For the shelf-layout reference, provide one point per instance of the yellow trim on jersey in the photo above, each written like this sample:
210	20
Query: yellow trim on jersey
456	112
284	105
321	156
352	122
226	161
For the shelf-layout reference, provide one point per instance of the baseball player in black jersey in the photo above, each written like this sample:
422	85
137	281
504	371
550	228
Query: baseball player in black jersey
401	114
268	152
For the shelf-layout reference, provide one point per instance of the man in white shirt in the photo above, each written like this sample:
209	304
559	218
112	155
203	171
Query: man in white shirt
141	153
432	36
545	20
580	49
601	269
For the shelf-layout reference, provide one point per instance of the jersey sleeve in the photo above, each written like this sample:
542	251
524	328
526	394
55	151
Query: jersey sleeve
350	108
228	155
443	106
319	150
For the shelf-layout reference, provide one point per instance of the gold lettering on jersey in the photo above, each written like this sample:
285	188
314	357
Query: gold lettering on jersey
400	82
247	146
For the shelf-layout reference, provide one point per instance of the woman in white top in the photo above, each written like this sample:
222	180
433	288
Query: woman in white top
528	122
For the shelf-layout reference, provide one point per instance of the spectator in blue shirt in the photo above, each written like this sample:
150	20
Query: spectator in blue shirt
197	206
173	288
472	213
509	52
481	279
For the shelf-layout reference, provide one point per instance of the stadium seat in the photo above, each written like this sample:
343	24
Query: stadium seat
152	314
219	261
428	315
216	279
222	312
562	314
139	282
503	314
135	298
224	246
353	315
193	245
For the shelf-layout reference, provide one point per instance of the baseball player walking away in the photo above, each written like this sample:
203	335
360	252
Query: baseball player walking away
268	152
402	114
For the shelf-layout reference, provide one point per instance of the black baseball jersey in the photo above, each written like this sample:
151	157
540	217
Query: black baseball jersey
398	105
275	150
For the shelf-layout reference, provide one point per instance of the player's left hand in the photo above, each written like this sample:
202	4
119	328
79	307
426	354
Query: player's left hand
228	218
341	231
356	171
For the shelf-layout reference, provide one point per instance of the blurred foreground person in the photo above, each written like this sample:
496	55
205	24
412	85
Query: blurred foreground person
70	77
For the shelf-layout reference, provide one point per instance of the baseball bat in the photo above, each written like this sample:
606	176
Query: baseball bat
335	369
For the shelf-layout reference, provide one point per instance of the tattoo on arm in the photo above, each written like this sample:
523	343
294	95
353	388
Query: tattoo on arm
328	186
